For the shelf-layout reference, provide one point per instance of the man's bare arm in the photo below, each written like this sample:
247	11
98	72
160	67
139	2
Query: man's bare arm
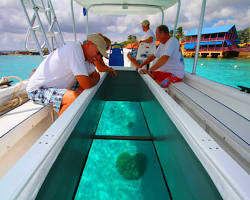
162	60
88	81
148	60
148	40
100	65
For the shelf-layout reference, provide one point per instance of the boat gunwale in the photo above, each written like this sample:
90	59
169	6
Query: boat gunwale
39	159
34	166
220	166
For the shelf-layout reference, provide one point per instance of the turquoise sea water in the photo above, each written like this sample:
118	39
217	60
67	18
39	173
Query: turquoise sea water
121	118
18	65
124	111
101	169
231	72
130	169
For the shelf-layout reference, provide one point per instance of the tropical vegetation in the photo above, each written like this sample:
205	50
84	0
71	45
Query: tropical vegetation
244	35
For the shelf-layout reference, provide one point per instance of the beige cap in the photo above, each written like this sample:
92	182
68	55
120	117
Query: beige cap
145	22
99	42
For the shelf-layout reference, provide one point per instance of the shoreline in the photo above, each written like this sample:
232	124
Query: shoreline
244	56
234	58
7	53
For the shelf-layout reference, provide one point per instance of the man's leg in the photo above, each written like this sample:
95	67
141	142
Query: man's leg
49	96
68	98
171	78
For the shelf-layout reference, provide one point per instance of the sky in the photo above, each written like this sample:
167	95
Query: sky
13	24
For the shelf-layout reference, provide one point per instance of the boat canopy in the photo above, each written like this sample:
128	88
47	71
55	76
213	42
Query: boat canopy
120	7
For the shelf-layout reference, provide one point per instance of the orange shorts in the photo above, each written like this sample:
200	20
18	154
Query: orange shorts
165	78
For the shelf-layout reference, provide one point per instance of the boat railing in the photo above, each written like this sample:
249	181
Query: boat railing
49	35
208	39
213	49
219	49
243	49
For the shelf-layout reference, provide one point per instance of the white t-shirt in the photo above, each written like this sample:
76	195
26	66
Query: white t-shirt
149	34
175	64
60	67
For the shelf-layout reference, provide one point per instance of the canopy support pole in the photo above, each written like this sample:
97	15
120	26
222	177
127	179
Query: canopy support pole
73	19
162	16
203	7
35	9
177	17
87	22
30	22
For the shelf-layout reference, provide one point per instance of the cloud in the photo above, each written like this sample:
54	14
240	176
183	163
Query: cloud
111	28
13	24
240	24
122	29
230	16
135	31
17	41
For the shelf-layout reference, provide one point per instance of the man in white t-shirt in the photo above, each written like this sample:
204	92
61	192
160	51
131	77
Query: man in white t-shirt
169	67
149	38
52	82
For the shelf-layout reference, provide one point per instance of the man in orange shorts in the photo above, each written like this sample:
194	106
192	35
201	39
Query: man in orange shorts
169	67
162	78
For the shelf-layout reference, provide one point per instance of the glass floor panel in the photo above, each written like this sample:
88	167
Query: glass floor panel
122	169
122	118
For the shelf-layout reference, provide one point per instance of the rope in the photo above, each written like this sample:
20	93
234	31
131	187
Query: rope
15	100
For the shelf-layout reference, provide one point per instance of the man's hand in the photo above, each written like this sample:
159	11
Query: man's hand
147	61
142	71
140	66
79	90
112	73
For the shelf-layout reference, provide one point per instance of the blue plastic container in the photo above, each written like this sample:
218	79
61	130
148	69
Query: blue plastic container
116	55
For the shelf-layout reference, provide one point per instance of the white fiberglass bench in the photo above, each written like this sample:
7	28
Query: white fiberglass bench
230	128
19	129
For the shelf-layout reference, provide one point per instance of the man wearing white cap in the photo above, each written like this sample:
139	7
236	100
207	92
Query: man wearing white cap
149	38
52	82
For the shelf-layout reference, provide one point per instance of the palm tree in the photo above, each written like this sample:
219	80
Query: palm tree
179	33
133	38
130	37
171	33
